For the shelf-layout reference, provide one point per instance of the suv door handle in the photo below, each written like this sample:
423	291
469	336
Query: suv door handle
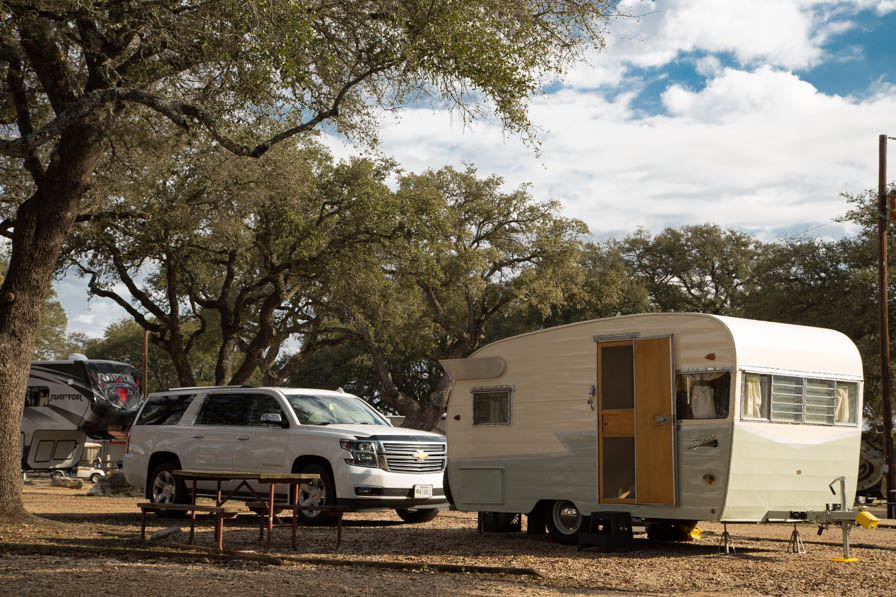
242	437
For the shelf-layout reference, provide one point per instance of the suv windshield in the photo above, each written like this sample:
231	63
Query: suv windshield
326	410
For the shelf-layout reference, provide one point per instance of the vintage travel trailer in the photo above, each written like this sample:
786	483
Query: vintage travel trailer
673	418
68	402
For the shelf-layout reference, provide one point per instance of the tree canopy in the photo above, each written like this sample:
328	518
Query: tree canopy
77	73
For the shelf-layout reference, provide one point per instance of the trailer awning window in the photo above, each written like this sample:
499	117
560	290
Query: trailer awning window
790	399
491	406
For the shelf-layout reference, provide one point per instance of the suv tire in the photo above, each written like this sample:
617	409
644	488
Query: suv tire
417	515
164	488
317	493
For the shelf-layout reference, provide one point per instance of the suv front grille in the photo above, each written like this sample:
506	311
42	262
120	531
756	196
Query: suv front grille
413	457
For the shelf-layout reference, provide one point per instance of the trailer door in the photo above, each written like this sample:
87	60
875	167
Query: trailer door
636	442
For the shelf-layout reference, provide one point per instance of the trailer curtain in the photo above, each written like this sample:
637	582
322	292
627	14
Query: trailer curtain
752	397
842	410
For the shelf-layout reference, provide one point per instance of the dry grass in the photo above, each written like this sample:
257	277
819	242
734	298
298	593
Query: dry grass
90	545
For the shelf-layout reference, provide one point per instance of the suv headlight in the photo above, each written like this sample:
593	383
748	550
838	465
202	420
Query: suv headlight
363	452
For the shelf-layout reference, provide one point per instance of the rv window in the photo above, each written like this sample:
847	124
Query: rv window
491	407
791	399
702	395
755	396
787	399
37	396
164	410
845	403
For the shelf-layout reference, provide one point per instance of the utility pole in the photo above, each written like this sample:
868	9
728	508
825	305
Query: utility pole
882	222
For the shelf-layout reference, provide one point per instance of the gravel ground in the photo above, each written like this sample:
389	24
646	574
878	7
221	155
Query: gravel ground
90	545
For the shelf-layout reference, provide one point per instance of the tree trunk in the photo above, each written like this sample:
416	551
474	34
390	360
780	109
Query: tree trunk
42	224
426	418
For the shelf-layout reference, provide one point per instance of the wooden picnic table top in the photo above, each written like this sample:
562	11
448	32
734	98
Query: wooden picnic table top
245	476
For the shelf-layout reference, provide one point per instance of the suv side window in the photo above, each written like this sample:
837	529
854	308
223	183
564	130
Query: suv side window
164	410
224	409
262	404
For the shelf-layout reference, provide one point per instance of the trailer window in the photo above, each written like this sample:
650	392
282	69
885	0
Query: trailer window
702	395
491	407
790	399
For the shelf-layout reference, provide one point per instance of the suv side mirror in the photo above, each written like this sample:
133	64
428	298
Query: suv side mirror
274	419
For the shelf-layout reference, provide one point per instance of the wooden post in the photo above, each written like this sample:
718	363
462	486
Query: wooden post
145	364
882	221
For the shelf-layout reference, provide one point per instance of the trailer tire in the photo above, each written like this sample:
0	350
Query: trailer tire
565	521
165	488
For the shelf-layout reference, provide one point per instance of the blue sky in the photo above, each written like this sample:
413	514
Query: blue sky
751	115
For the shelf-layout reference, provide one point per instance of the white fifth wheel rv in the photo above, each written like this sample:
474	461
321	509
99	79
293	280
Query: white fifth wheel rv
69	401
671	418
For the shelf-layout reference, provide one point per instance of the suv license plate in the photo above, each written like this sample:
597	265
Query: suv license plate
422	491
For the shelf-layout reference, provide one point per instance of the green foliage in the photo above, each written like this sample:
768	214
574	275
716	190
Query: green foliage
469	254
699	269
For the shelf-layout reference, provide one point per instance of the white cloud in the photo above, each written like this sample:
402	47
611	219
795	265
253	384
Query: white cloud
756	150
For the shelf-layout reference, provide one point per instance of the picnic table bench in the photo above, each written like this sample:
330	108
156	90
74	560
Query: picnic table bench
220	512
276	508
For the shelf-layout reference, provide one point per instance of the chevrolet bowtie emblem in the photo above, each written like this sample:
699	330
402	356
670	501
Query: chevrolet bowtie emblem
421	455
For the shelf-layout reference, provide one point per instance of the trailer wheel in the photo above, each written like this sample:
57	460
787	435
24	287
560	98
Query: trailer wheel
95	478
564	522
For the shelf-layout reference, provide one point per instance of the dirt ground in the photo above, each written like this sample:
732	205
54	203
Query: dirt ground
90	545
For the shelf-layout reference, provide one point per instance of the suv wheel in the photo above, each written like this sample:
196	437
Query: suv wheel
164	488
417	515
321	492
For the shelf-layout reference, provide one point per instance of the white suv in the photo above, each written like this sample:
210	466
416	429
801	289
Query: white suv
363	462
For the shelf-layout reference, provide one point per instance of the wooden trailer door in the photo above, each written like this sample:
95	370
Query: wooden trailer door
636	432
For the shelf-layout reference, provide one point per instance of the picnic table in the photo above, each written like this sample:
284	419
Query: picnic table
265	502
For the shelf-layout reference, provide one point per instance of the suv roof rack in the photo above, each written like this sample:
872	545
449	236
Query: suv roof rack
208	387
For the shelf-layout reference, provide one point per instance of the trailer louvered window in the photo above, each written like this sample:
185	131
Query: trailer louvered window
790	399
787	399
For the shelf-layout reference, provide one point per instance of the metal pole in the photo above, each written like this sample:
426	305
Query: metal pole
882	222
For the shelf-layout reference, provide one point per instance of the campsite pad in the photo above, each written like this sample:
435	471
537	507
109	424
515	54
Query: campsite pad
92	545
